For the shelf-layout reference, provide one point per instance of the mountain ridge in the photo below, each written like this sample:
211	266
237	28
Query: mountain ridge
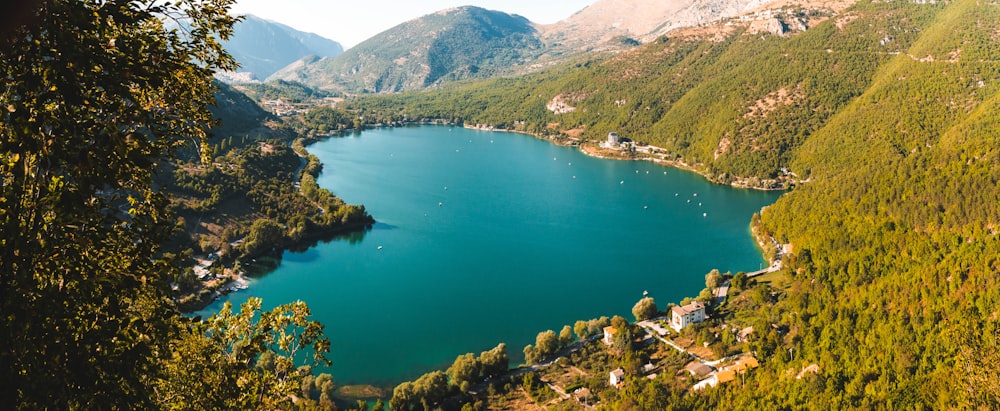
263	47
456	43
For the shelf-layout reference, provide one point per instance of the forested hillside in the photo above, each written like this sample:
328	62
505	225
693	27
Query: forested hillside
889	112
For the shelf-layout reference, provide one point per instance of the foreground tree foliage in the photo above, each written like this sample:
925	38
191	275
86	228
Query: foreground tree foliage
249	359
95	94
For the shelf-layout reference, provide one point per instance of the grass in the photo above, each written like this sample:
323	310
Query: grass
778	279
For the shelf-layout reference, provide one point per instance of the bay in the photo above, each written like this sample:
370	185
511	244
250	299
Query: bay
487	237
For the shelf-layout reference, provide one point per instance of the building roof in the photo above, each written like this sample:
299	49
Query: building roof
745	363
725	376
610	330
698	368
688	309
618	373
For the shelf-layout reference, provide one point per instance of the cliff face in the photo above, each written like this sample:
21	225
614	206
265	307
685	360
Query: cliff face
641	20
612	23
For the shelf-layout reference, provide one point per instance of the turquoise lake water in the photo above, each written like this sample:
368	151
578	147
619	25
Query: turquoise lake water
486	237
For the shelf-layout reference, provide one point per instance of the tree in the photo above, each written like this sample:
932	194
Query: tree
580	329
95	94
713	279
644	309
245	360
464	371
530	354
546	343
495	361
264	234
705	295
597	325
739	282
404	397
565	336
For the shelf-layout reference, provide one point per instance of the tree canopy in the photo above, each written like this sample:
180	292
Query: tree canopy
96	95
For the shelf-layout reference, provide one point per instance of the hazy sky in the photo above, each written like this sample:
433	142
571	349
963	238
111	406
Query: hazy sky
351	22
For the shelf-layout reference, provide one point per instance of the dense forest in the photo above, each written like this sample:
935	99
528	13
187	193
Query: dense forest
109	137
888	112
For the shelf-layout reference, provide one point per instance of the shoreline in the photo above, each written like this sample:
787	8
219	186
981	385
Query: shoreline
587	149
591	149
208	292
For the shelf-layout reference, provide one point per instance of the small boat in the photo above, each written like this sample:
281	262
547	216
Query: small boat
621	182
379	247
440	204
704	214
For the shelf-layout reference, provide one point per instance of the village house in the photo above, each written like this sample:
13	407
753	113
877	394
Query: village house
727	374
689	314
617	377
698	369
609	335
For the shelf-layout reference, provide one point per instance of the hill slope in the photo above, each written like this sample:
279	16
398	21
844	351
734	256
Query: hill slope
890	111
642	20
262	47
466	42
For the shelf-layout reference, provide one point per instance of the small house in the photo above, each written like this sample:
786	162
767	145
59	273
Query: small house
612	139
617	377
609	335
682	317
698	369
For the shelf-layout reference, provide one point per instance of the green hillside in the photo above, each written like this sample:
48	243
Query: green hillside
466	42
889	112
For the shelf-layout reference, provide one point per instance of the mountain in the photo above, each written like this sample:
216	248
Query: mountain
453	44
887	115
262	47
639	20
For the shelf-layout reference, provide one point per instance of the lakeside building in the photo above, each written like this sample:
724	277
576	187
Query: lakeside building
687	315
609	335
613	142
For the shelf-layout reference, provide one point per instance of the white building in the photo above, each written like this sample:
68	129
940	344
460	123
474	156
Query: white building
612	139
689	314
617	377
609	335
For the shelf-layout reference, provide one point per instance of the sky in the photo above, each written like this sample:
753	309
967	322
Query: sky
351	22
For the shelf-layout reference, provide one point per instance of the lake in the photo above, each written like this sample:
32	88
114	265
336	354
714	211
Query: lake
487	237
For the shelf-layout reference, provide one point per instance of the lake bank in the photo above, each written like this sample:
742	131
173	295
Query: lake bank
475	228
